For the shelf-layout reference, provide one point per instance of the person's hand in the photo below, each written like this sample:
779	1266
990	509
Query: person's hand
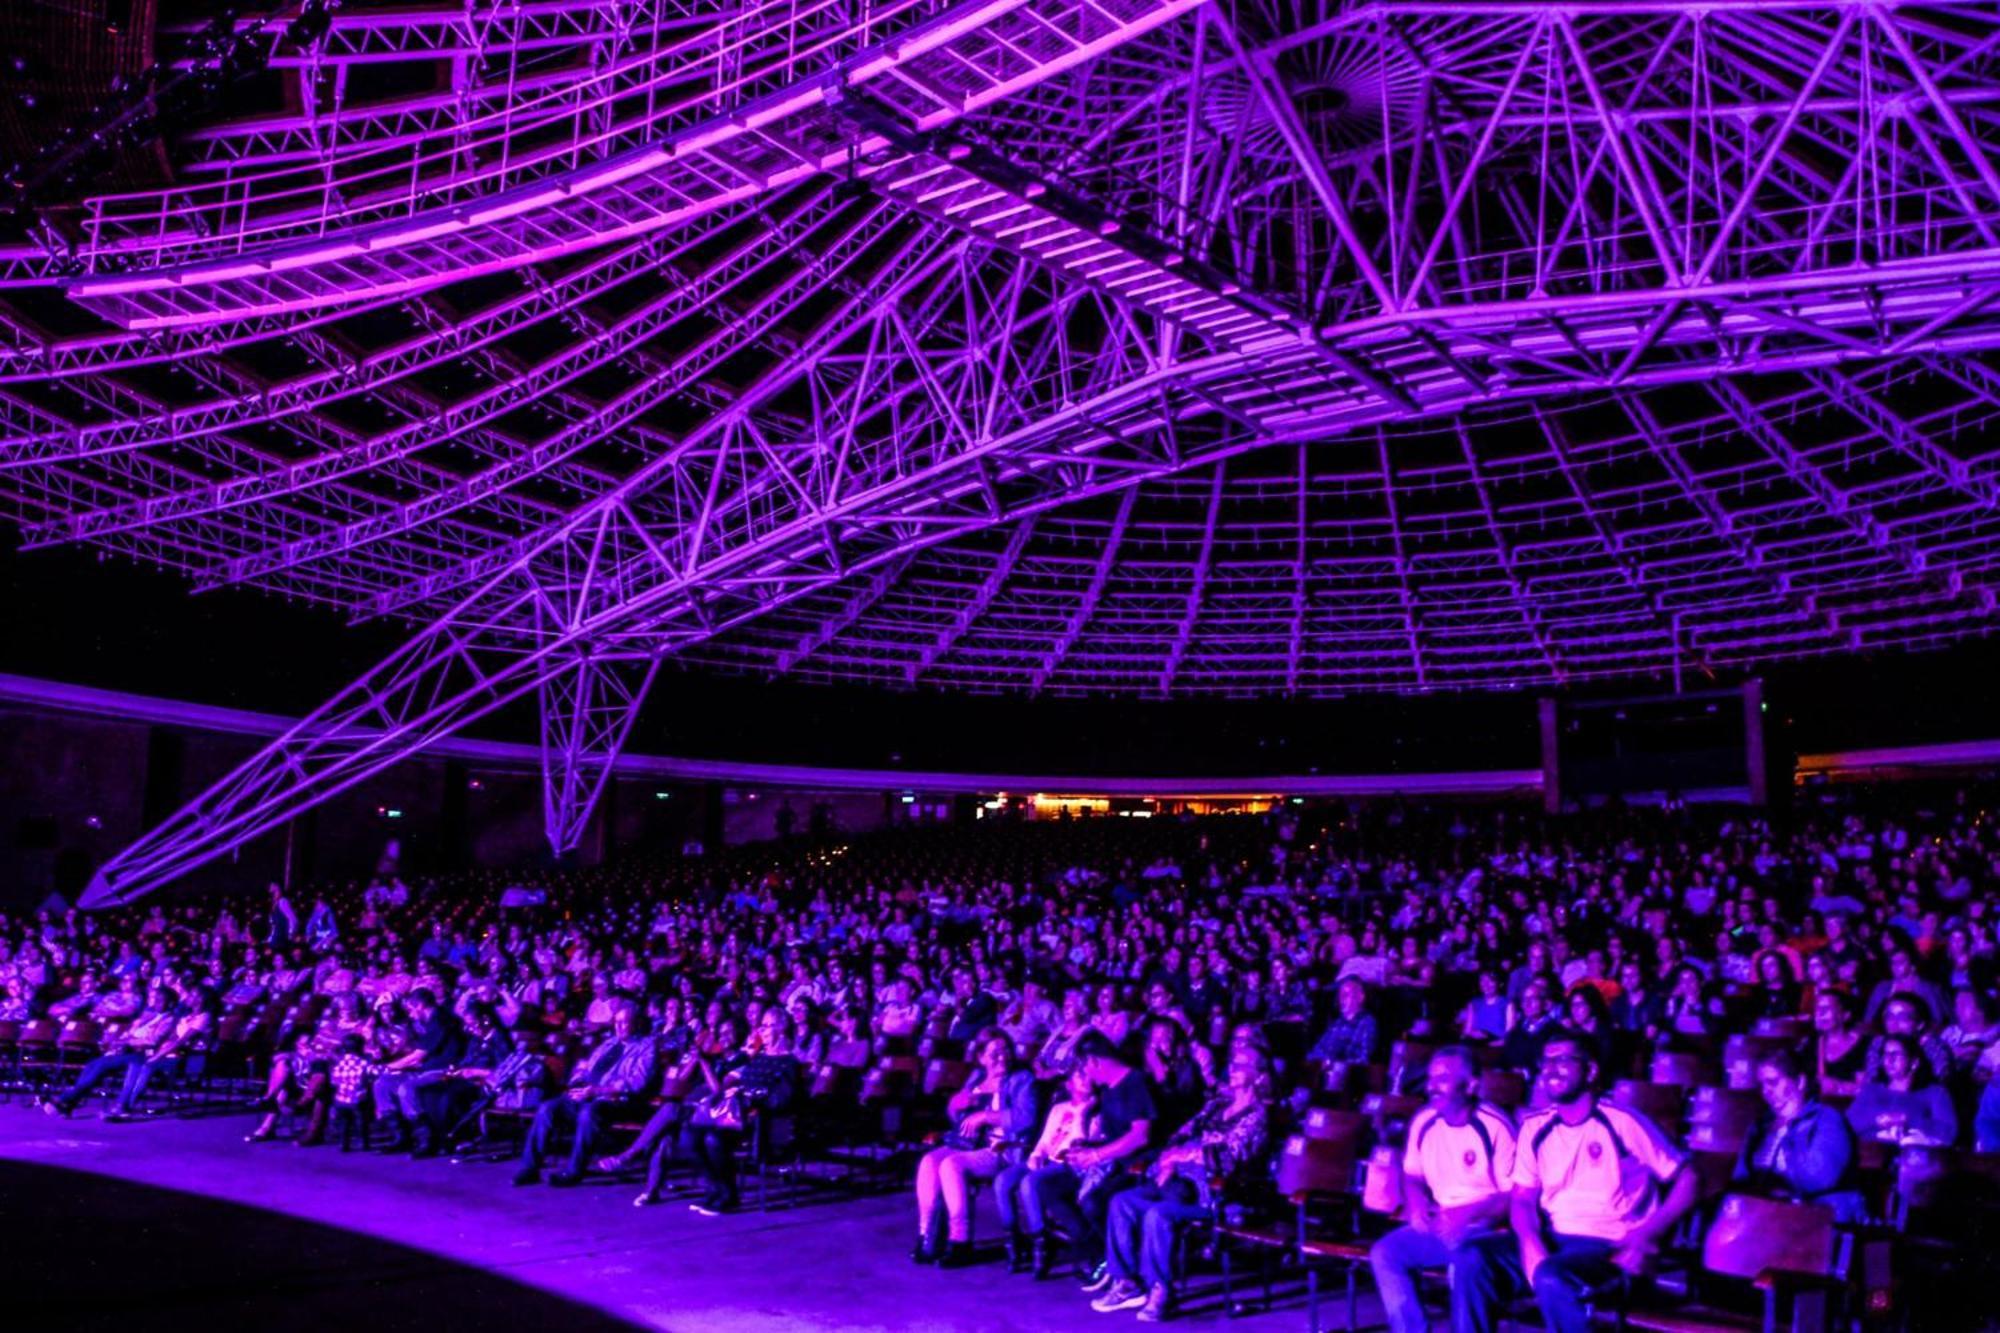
1530	1265
1634	1253
1080	1159
579	1094
1450	1225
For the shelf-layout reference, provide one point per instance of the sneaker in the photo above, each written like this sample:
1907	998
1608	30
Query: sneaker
703	1208
57	1109
1121	1296
527	1175
1155	1310
1099	1279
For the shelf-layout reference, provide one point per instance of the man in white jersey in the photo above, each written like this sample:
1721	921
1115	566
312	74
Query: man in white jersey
1458	1167
1597	1188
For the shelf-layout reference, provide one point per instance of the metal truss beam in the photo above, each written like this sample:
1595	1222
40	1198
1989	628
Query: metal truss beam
587	710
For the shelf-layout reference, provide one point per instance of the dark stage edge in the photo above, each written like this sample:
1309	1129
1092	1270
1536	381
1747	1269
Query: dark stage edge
177	1224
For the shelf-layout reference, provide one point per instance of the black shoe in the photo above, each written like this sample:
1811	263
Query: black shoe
923	1252
527	1175
564	1179
1040	1264
957	1254
1018	1258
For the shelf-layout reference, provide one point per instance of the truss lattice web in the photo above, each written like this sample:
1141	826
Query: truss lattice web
1051	345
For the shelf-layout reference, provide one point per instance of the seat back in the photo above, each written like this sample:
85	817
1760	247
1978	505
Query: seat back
1505	1088
1683	1069
1791	1031
1307	1167
852	1054
1661	1103
1740	1055
1752	1237
1382	1182
1325	1122
1408	1060
944	1077
1720	1119
79	1033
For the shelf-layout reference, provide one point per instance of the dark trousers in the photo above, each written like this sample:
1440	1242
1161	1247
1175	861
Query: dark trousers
97	1071
714	1154
442	1105
583	1121
1486	1273
1051	1199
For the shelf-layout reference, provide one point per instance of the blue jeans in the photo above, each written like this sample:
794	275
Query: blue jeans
139	1075
98	1070
1145	1221
1007	1193
1487	1272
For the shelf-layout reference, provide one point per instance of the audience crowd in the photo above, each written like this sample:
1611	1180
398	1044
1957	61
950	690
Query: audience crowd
1120	1028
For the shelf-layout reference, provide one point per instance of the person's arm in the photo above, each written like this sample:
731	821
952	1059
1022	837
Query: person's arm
1639	1244
1524	1212
1131	1141
1423	1206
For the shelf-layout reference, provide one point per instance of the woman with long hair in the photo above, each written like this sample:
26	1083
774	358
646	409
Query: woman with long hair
993	1116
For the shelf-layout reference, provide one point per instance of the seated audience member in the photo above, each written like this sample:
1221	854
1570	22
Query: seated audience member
1072	1194
616	1075
1490	1013
1905	1104
993	1116
1597	1188
1522	1047
1802	1150
1070	1122
1058	1052
1029	1018
1908	1014
1840	1050
443	1102
134	1047
766	1083
304	1087
1352	1037
436	1042
1179	1070
1457	1167
1224	1141
186	1041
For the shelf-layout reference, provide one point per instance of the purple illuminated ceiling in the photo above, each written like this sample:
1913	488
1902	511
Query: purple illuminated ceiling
1134	346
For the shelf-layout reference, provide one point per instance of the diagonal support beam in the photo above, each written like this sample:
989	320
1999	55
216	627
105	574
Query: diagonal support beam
587	712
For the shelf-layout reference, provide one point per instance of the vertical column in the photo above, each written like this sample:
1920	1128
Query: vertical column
1753	742
1551	768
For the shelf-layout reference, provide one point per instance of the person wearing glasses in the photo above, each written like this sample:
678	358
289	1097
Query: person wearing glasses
1219	1147
1596	1190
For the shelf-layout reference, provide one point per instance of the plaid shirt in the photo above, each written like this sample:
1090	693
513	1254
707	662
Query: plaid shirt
349	1076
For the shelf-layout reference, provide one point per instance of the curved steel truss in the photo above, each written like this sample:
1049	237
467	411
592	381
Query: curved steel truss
1071	345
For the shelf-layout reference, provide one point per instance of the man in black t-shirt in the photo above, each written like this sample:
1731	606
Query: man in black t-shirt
1073	1195
435	1046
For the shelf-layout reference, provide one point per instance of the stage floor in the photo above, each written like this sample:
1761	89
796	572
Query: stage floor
177	1224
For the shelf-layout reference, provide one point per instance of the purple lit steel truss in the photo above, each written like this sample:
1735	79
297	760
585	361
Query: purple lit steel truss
1051	345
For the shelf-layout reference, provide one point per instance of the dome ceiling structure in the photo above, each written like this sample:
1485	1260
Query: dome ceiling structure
1071	346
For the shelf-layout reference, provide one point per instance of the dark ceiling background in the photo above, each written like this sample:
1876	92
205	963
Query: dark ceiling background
66	615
